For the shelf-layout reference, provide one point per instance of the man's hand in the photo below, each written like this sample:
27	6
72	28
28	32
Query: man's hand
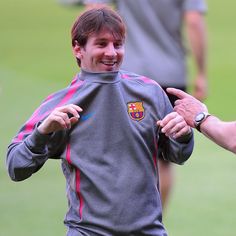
61	118
187	106
200	88
173	125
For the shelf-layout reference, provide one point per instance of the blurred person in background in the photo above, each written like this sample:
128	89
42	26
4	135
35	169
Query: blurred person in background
196	115
155	48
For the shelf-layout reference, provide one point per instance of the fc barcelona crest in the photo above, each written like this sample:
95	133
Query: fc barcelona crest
135	110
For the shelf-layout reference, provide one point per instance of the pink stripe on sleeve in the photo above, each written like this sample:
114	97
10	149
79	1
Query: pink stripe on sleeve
148	81
155	153
79	193
68	158
29	126
77	180
70	93
143	78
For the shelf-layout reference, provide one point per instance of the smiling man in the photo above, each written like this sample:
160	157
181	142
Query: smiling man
107	128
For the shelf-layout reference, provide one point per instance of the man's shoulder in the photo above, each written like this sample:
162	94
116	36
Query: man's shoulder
127	75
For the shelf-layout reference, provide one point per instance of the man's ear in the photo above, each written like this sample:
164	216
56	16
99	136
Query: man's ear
77	51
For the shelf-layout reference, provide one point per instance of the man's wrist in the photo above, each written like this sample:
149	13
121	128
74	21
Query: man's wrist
199	119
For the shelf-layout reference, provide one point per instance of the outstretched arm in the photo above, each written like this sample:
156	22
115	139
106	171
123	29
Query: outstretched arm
220	132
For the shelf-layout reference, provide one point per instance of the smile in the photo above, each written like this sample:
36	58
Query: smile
109	63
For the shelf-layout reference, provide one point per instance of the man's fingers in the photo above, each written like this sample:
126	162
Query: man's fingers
177	92
73	112
61	118
71	109
184	131
174	125
74	120
177	102
167	122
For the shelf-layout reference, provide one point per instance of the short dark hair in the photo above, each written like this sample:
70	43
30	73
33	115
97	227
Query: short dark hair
95	20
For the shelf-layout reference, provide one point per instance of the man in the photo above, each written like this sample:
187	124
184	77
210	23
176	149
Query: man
196	115
105	127
155	48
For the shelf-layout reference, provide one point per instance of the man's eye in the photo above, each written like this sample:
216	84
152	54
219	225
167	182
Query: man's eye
102	44
118	45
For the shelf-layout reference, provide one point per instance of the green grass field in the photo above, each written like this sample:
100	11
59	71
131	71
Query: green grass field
36	60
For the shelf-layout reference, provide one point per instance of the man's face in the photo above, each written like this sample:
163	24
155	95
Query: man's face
101	53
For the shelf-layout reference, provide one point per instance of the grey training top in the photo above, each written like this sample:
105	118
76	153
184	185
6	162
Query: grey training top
154	45
109	158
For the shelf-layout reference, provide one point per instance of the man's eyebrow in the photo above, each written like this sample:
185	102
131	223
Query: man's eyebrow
101	39
105	39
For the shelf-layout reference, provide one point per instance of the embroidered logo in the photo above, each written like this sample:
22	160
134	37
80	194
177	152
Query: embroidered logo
135	110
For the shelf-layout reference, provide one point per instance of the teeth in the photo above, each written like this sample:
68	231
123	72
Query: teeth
109	63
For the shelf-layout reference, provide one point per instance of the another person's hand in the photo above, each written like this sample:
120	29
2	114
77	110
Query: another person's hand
173	125
187	106
60	118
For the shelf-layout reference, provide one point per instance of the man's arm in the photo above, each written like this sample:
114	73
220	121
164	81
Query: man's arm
196	33
175	137
220	132
27	156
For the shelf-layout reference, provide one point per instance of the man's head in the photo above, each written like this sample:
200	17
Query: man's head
98	37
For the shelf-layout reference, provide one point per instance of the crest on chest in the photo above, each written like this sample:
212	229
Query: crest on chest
135	110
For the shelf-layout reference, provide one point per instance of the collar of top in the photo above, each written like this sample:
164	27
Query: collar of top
100	77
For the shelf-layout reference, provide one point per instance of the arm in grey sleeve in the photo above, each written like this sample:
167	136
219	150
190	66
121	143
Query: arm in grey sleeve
174	150
177	151
27	157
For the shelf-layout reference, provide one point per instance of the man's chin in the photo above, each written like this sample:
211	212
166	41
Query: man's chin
113	67
110	68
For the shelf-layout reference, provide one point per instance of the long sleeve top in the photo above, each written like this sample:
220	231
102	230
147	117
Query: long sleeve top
109	158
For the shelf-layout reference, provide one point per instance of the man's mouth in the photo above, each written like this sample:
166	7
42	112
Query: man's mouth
109	63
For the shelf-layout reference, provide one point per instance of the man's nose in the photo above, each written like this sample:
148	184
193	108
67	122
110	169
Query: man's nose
110	50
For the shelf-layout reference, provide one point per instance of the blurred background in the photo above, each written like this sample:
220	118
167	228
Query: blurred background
36	59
